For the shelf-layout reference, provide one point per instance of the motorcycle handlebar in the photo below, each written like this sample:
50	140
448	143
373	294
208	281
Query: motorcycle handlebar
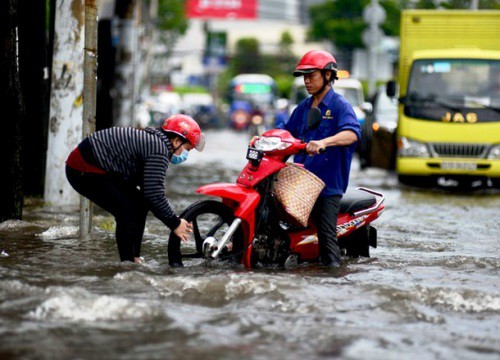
303	146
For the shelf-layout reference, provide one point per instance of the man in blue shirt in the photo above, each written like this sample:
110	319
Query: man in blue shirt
330	147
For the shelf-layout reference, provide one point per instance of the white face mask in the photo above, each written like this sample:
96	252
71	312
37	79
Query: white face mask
178	159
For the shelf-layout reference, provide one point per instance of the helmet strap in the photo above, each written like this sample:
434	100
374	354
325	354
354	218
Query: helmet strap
182	143
177	148
326	83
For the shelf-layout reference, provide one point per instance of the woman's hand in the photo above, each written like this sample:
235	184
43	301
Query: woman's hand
183	230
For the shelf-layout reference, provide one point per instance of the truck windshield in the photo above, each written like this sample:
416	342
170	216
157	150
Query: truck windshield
438	88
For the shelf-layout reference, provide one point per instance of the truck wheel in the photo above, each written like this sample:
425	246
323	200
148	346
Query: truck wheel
418	181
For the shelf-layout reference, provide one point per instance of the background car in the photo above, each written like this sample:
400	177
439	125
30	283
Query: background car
201	107
349	88
162	106
378	134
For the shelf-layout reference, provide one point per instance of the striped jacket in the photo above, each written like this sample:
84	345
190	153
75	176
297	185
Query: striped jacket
141	157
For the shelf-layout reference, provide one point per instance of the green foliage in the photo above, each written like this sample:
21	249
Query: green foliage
248	59
456	4
171	16
426	4
393	16
342	23
190	89
284	83
223	81
286	41
339	21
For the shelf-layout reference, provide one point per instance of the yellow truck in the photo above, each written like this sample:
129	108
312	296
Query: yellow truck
448	130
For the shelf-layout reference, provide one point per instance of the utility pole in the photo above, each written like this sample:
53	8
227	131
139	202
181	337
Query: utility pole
474	4
153	16
89	100
374	15
66	100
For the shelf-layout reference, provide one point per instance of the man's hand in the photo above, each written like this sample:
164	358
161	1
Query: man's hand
183	230
314	147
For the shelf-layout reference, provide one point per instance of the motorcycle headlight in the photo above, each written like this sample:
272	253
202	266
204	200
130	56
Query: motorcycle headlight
494	153
257	119
270	143
412	148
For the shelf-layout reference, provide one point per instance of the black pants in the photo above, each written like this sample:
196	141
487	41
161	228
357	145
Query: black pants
325	213
123	200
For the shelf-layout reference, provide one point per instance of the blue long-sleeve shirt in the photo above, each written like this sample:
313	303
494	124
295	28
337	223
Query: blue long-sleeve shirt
334	165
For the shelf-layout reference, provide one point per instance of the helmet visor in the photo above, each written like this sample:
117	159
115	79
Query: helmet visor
199	142
300	72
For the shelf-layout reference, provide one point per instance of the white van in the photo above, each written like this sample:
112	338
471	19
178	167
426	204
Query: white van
349	88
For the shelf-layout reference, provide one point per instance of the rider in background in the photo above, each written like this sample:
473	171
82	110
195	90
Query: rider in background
281	114
333	145
123	169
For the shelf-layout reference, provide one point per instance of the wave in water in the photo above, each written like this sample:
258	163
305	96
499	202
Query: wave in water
77	305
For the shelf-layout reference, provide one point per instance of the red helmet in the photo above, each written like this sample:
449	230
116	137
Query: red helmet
187	128
316	60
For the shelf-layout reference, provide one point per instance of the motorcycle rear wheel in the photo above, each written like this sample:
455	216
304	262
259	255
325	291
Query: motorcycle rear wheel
357	243
209	218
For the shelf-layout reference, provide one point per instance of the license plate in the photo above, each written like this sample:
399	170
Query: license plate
459	166
254	154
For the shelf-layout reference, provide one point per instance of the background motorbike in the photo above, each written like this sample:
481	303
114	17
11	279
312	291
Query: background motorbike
248	227
239	114
257	125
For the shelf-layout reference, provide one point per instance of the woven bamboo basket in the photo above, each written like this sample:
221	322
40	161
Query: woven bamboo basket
296	190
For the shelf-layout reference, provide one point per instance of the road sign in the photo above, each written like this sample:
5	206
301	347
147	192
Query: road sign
374	13
372	37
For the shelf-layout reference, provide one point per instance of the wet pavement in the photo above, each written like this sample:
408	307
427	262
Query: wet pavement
429	291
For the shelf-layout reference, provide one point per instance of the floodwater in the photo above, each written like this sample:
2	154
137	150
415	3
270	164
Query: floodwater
431	290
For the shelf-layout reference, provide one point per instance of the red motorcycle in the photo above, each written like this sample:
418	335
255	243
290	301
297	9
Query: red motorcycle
248	227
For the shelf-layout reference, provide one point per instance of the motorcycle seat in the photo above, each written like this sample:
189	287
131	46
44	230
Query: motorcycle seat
355	200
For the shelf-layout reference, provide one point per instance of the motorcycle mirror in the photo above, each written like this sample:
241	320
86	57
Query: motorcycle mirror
314	118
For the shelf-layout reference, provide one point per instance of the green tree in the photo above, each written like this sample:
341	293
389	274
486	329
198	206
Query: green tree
341	21
247	58
172	21
286	42
426	4
454	4
286	58
393	15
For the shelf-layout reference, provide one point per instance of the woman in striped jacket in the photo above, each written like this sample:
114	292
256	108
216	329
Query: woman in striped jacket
123	169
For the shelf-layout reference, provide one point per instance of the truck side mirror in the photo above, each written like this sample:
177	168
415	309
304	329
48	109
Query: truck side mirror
367	107
390	89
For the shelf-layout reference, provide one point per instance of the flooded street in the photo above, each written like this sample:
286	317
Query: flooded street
431	289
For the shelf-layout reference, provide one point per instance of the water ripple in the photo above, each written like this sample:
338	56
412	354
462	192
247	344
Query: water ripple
77	305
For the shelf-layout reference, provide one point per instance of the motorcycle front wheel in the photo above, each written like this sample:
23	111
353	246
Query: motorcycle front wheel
208	218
